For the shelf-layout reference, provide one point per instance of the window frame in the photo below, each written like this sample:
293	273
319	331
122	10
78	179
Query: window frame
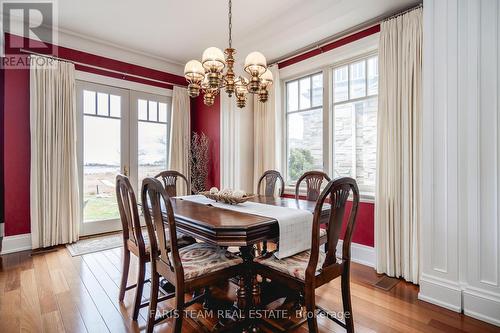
367	190
325	143
367	193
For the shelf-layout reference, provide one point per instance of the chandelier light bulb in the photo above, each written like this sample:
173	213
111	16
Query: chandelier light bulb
255	64
194	71
267	78
213	59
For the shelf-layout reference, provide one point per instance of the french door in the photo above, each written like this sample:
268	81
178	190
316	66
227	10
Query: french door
119	131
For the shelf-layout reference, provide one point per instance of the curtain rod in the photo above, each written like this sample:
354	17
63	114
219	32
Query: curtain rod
403	12
97	67
345	33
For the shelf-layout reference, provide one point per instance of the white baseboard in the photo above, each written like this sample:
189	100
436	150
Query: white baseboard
11	244
482	305
444	293
361	254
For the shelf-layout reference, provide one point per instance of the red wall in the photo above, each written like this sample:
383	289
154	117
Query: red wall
365	226
206	119
2	186
16	138
16	125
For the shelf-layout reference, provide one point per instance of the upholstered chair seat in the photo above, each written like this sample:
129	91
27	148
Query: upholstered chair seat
201	258
295	265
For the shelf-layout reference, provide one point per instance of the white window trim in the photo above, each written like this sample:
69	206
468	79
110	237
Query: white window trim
361	49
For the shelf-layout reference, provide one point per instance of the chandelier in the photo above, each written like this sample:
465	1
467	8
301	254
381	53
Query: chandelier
208	75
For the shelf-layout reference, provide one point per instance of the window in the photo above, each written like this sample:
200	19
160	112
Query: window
304	119
355	121
119	131
348	148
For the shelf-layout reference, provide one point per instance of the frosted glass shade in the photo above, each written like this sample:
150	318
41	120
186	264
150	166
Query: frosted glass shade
213	59
194	71
267	77
255	63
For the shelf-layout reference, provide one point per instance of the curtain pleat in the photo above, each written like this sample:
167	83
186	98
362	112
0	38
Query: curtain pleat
54	192
180	136
397	198
266	142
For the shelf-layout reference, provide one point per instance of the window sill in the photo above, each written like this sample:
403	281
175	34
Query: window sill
366	197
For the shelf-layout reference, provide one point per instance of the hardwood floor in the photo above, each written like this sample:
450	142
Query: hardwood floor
54	292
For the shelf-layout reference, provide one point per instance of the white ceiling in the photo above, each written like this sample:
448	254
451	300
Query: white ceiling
180	30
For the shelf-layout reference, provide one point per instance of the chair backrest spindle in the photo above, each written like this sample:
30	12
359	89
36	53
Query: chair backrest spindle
313	180
271	177
169	179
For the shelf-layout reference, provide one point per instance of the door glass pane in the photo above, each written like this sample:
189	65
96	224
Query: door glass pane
358	80
153	149
317	93
153	111
142	106
340	87
162	112
292	93
102	104
305	142
89	102
305	93
114	106
101	163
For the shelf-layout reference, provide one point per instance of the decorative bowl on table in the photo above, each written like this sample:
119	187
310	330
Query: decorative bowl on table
227	195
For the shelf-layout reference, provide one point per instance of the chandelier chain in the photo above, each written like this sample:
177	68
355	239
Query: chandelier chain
230	24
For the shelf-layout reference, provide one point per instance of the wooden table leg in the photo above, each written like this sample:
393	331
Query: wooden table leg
256	291
248	290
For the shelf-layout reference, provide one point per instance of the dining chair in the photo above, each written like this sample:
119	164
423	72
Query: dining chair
313	180
190	268
169	179
133	242
308	270
270	177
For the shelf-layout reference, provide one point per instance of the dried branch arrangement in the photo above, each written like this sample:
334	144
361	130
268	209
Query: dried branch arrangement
199	161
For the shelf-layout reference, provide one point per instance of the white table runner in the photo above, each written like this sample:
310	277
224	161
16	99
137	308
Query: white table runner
295	225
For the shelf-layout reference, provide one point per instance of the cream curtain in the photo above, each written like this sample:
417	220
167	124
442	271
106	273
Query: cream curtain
180	136
266	133
397	198
55	203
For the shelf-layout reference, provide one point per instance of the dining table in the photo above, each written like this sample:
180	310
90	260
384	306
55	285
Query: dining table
231	228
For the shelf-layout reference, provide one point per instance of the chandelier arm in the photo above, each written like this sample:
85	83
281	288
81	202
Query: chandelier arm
214	80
